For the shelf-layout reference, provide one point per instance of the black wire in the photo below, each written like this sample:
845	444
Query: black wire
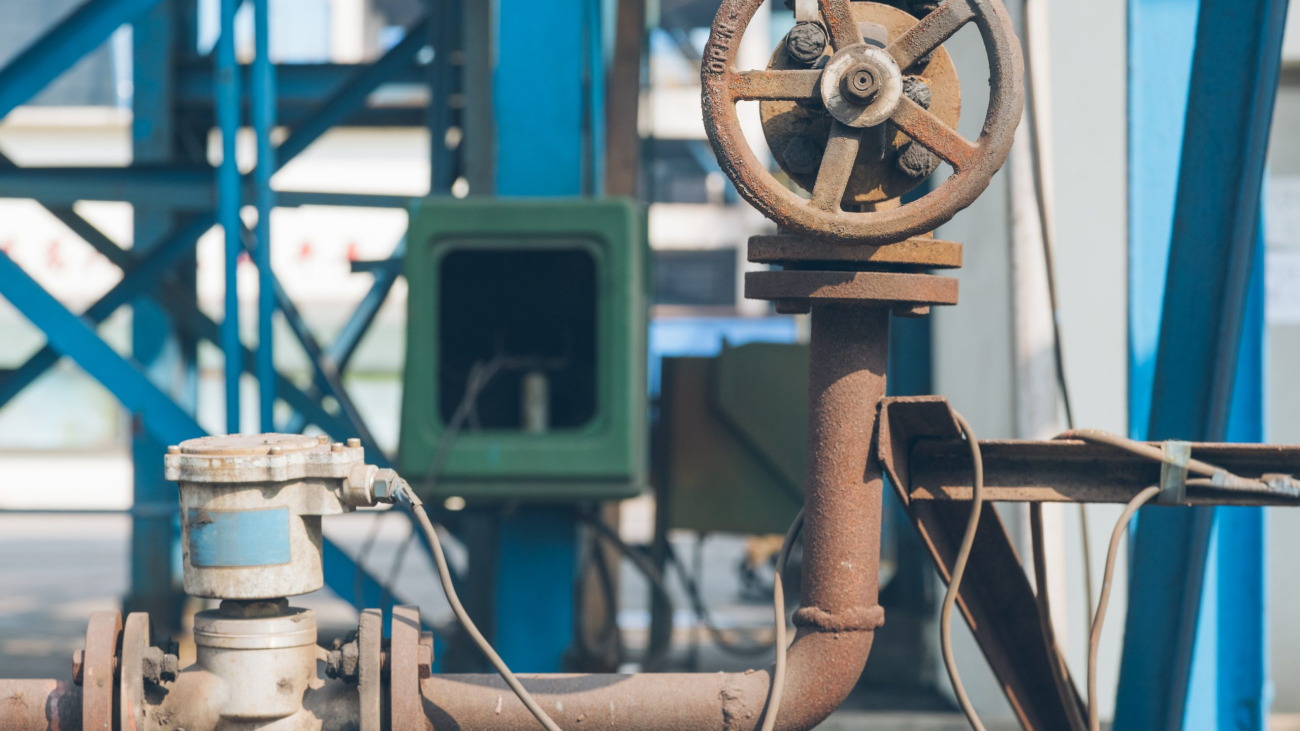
480	374
701	609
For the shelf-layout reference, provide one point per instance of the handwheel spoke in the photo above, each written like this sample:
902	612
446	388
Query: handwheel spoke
930	33
930	131
840	23
798	86
837	166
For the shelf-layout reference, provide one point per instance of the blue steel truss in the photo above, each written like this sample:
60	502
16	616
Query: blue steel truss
194	198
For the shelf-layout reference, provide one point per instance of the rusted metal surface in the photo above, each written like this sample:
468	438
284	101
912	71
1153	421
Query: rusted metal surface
1082	472
996	598
796	131
103	637
406	708
39	705
848	287
135	642
370	686
839	613
919	252
975	163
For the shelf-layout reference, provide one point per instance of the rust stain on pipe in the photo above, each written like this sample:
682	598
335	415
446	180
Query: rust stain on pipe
838	595
39	705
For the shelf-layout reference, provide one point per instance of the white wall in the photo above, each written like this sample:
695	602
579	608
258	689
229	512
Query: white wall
972	340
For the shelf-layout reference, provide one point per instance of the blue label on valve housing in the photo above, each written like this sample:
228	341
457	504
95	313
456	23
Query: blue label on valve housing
220	538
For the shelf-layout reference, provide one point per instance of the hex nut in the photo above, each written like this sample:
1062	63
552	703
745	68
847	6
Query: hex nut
805	43
358	488
159	666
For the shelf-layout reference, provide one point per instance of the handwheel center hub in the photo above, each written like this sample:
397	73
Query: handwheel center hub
861	86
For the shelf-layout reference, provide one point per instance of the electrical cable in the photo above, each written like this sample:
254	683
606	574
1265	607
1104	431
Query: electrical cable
1046	236
778	608
480	374
958	571
716	633
1094	638
444	575
638	559
1217	477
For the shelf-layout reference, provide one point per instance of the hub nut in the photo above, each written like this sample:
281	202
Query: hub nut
860	84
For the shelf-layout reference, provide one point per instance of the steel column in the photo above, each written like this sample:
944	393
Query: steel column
62	46
228	202
540	39
1201	96
263	73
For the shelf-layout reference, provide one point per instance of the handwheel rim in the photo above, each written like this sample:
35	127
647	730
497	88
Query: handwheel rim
975	163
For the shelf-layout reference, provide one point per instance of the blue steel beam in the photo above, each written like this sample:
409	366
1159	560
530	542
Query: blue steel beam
264	92
82	31
73	337
229	196
180	187
296	84
163	419
1198	143
149	270
353	94
339	352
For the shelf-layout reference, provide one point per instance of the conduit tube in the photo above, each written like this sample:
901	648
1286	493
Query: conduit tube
838	594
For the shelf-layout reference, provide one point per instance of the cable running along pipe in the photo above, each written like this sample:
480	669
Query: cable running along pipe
444	576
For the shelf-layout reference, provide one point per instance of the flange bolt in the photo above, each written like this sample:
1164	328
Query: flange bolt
805	43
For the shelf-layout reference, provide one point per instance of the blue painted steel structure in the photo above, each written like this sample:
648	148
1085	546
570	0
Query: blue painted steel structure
263	89
550	143
1203	76
159	383
547	137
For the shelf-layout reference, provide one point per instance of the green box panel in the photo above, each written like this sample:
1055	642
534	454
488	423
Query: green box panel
548	286
731	440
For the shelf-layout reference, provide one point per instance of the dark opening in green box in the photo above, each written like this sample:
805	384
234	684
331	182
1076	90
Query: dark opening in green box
521	305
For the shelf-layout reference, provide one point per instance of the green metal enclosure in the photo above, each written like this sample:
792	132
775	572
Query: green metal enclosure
531	317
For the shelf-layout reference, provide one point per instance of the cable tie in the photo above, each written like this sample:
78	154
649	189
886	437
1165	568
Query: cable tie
1173	472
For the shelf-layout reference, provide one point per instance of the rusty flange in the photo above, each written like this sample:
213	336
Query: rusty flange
822	216
827	287
135	643
407	708
370	690
99	659
920	252
797	133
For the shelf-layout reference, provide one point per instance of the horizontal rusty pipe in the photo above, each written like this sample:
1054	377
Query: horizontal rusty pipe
39	705
839	591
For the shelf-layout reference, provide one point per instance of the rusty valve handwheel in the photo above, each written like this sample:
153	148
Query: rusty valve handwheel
855	64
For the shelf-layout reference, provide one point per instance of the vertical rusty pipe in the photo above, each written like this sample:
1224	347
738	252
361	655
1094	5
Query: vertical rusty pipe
839	592
842	502
39	705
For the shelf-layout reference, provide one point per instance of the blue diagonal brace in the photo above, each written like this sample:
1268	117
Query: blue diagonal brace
340	351
73	337
147	272
354	92
82	31
162	418
1210	326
